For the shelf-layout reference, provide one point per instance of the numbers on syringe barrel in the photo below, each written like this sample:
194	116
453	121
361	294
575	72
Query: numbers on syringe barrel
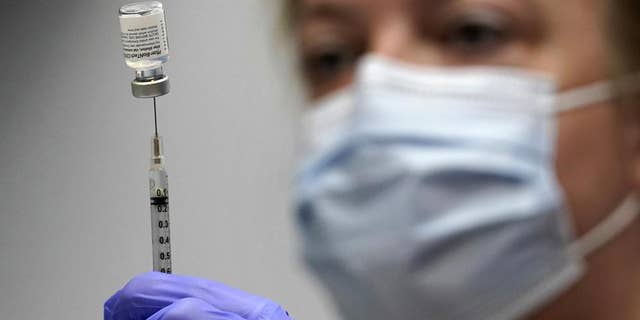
163	224
161	192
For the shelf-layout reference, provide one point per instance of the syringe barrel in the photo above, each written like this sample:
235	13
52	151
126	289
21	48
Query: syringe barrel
159	197
160	224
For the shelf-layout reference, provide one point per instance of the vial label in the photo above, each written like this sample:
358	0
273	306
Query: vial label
144	37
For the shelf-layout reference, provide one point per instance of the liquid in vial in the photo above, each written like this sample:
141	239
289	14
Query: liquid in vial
144	35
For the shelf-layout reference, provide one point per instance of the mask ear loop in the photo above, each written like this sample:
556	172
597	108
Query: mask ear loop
598	92
629	209
609	228
589	95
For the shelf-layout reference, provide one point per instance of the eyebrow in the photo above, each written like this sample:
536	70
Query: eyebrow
325	10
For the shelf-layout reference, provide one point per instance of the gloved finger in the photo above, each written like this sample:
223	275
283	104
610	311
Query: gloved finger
148	293
193	308
128	306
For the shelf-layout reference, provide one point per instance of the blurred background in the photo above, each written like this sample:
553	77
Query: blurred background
75	148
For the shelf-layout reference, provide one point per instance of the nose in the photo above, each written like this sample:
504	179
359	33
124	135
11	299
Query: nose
396	36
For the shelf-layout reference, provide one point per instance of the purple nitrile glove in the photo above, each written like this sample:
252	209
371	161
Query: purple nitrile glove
159	296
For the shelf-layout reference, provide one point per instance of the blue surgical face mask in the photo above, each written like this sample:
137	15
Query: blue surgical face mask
432	194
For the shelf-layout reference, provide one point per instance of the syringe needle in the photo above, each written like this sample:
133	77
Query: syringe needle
155	117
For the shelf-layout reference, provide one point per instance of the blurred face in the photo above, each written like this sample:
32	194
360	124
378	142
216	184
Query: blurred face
565	39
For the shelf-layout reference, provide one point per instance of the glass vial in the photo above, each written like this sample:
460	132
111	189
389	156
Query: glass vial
145	47
144	35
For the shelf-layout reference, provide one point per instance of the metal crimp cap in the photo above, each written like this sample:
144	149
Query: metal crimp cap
150	84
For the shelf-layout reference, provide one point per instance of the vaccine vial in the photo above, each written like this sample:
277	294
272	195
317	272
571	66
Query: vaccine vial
144	35
145	46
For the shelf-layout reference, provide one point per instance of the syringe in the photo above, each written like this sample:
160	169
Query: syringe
145	47
159	196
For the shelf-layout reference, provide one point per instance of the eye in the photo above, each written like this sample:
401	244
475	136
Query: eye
322	65
476	34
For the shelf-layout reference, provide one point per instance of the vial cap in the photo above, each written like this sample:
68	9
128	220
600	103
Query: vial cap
150	88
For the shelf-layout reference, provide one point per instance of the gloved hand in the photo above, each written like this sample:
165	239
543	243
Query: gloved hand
159	296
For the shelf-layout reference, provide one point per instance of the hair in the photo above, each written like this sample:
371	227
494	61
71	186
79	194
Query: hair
625	32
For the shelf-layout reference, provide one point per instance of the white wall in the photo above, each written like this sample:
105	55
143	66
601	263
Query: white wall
74	150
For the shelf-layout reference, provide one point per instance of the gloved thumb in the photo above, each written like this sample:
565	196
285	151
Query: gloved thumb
192	308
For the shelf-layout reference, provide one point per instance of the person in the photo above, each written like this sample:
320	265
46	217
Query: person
466	159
